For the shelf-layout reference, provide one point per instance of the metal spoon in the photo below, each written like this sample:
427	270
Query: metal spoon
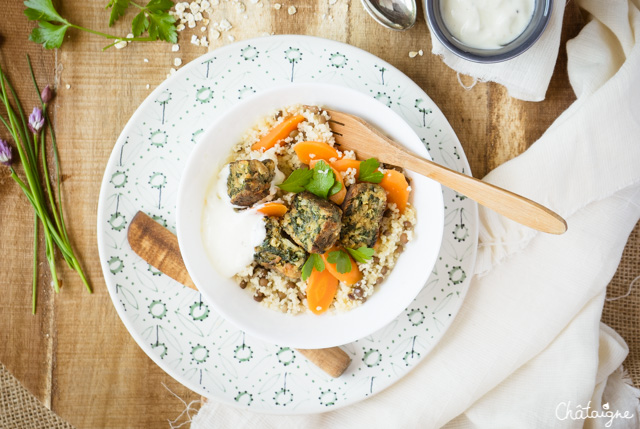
393	14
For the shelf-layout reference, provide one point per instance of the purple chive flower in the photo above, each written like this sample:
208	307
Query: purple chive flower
5	153
36	120
47	94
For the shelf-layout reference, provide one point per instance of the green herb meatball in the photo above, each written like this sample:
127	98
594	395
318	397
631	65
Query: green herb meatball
363	208
249	181
279	253
313	222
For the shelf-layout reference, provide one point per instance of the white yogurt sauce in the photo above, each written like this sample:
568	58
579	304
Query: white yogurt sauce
487	24
230	236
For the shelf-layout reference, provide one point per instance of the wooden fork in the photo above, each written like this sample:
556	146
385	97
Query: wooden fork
353	133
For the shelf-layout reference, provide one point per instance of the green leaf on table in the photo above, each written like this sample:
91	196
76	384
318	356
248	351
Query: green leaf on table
296	181
118	8
49	35
361	254
313	261
341	259
161	26
139	24
368	171
322	180
159	5
42	10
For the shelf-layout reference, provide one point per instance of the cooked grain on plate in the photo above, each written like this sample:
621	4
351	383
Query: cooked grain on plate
335	226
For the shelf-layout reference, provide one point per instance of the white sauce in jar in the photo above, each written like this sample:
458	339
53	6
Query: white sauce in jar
487	24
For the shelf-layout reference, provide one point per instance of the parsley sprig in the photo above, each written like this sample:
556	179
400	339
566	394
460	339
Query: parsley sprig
361	254
368	171
341	259
313	261
296	181
152	18
320	181
338	257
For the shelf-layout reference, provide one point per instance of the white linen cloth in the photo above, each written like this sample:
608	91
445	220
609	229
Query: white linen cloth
526	76
527	349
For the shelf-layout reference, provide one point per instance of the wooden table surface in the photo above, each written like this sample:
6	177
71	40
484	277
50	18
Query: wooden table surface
75	355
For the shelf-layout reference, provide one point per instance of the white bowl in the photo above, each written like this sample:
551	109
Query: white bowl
307	331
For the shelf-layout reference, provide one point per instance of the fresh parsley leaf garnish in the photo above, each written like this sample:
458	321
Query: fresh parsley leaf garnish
361	254
337	186
341	259
313	261
49	35
159	5
154	18
139	24
118	8
296	181
368	171
322	180
42	10
51	26
160	22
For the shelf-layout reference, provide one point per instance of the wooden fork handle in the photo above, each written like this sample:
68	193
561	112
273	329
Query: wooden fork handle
509	204
369	142
159	247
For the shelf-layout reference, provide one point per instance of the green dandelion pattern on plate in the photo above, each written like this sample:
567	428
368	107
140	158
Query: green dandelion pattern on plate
115	265
372	358
199	354
157	309
119	179
158	138
249	53
244	398
457	275
199	311
424	109
243	353
328	398
286	356
204	95
338	60
117	221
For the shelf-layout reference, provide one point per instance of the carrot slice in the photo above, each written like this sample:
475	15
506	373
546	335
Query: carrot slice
307	151
273	209
278	133
349	278
338	197
397	188
344	164
321	289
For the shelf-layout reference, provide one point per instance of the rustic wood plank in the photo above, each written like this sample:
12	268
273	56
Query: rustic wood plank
26	341
102	378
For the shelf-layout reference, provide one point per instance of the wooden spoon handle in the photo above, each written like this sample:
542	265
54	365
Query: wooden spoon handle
514	206
159	247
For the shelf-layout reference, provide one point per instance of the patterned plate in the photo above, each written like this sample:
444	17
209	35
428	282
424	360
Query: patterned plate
173	325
